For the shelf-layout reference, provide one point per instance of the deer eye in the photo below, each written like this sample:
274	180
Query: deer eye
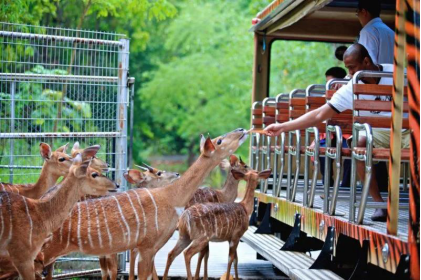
245	166
219	141
61	159
94	175
159	173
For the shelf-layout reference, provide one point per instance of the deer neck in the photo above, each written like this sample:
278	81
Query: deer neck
248	199
45	181
56	205
230	190
179	192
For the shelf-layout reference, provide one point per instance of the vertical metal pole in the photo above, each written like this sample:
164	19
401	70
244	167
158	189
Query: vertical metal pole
12	128
396	129
122	102
130	148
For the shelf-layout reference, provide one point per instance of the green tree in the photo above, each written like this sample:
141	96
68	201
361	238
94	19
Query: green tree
205	85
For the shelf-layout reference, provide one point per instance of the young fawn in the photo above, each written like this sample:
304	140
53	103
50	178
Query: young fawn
216	222
25	223
141	218
227	194
56	164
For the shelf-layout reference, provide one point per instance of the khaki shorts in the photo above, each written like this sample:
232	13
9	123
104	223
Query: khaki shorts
381	138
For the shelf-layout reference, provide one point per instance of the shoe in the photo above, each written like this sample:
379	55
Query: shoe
380	215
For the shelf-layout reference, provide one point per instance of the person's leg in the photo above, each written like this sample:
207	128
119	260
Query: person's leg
346	165
322	165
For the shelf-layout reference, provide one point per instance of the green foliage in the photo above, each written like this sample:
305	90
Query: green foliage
297	64
205	85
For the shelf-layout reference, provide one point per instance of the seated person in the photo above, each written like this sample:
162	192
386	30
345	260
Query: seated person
356	58
336	73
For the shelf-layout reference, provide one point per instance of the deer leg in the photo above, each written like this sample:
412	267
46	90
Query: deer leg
112	265
199	262
236	264
25	268
197	246
182	244
205	273
154	273
232	252
104	269
133	255
145	263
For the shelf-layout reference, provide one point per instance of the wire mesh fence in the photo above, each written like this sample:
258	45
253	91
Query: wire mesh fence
60	86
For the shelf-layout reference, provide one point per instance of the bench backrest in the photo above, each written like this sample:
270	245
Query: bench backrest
361	105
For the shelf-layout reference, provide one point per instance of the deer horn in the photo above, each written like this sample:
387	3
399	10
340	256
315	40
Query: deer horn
241	160
141	167
151	169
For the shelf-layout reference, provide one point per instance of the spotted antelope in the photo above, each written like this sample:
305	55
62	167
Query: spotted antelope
25	223
216	222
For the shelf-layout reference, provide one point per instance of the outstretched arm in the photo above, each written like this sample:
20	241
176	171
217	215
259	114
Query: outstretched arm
307	120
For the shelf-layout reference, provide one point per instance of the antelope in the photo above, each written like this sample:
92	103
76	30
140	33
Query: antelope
228	194
56	164
138	218
26	223
216	222
108	263
151	178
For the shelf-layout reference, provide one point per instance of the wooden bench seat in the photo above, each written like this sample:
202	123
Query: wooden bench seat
382	153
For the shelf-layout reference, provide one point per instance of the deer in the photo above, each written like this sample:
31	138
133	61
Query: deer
216	222
150	178
108	263
26	223
139	218
56	164
228	194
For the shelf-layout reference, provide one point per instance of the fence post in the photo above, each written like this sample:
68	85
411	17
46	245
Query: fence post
122	102
12	128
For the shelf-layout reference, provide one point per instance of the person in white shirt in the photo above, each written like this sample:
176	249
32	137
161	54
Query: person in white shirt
375	36
356	58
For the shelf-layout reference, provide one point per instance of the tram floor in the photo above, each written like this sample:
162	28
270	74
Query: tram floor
249	267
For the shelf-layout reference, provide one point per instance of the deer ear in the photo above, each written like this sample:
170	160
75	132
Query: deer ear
90	152
62	149
75	147
202	142
265	174
242	162
82	169
133	176
45	150
238	175
207	148
233	160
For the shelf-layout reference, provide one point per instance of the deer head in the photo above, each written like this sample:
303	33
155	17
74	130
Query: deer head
152	177
90	179
222	146
251	175
159	174
96	163
58	161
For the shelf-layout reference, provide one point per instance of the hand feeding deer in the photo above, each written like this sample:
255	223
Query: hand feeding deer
216	222
228	194
56	164
26	223
142	218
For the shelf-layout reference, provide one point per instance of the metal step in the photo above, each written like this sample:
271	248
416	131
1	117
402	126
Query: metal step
288	262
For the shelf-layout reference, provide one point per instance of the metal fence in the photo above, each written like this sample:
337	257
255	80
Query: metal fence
58	86
61	86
